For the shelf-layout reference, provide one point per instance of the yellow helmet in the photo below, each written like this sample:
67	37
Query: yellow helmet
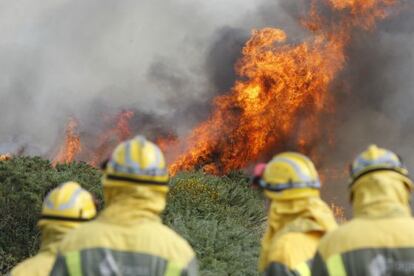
290	175
68	204
375	159
136	161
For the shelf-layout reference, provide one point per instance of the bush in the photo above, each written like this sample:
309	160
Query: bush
24	182
221	217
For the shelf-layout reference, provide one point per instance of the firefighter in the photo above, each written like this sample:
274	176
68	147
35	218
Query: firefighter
128	238
297	217
64	208
379	240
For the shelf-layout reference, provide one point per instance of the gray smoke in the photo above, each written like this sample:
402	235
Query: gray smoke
90	58
375	95
377	91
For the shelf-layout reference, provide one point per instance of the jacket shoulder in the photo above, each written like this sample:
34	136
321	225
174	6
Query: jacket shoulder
168	237
80	237
38	265
292	249
148	237
368	233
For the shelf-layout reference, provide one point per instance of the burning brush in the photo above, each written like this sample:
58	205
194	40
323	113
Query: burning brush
284	90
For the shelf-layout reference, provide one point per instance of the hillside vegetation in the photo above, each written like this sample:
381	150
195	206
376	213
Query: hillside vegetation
221	217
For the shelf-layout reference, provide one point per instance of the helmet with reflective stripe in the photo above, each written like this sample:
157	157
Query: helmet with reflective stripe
136	162
375	159
290	175
68	204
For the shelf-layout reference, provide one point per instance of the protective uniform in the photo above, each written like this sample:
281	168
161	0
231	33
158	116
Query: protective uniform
128	238
379	240
297	217
63	210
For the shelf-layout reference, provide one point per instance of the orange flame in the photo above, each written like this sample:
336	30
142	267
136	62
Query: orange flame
277	103
122	129
71	146
109	138
5	157
282	93
164	143
364	13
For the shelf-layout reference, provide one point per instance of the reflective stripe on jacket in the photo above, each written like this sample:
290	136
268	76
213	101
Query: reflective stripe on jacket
378	261
128	238
112	262
380	239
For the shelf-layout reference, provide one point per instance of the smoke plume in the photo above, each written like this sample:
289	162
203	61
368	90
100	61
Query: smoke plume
90	59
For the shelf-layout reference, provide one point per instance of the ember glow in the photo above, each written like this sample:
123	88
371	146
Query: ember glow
282	92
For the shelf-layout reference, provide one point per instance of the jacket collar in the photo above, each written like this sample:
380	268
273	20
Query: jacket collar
382	194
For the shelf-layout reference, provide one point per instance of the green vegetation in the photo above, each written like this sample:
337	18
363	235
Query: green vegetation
24	182
221	217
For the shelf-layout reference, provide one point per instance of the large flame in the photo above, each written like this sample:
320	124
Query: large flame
282	93
283	90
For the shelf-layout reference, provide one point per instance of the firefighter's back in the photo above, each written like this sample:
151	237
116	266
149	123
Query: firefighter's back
146	248
369	247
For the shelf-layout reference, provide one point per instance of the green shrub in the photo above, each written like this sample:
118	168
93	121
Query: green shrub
24	182
221	217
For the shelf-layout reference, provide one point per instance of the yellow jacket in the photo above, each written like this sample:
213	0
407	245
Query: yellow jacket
127	238
41	263
294	229
379	240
